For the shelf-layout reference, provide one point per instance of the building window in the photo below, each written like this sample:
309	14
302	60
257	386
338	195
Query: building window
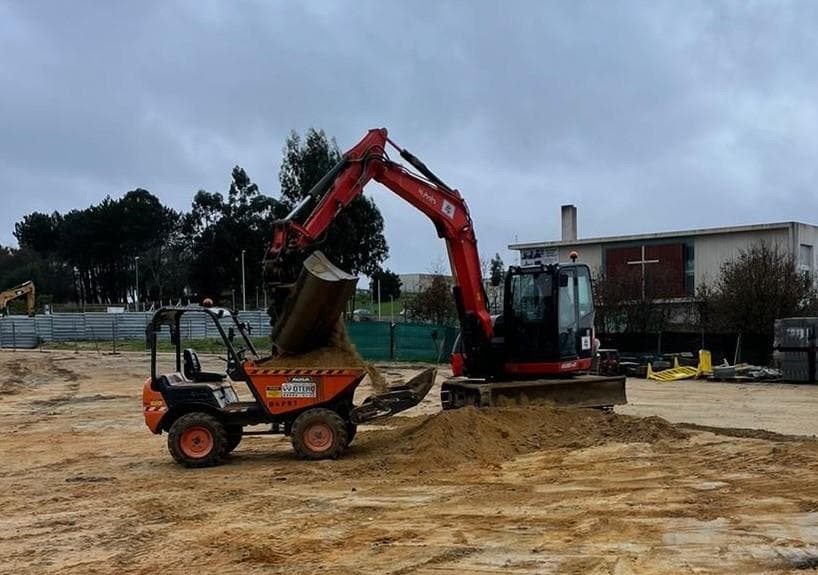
805	259
690	275
584	297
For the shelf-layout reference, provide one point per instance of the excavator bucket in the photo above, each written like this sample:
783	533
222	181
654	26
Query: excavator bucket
395	399
577	391
312	309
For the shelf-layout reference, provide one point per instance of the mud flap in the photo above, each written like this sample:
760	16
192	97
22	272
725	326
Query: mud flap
397	399
579	391
312	310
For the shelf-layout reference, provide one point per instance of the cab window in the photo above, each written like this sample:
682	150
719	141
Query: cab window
585	301
530	295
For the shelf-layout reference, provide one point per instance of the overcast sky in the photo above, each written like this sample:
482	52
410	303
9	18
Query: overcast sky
649	116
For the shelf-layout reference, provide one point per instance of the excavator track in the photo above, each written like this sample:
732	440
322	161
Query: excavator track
578	391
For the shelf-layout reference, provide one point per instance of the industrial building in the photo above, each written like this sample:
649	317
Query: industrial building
682	259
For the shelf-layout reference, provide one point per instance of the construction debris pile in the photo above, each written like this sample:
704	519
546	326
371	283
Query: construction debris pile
741	372
744	372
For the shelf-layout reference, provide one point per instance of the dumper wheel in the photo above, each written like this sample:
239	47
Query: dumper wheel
197	440
234	434
319	434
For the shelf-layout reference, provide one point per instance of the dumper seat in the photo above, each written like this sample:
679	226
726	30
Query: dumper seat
193	369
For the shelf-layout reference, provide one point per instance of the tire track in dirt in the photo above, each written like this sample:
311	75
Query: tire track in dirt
13	383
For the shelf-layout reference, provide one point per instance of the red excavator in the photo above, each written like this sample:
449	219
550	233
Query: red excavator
542	344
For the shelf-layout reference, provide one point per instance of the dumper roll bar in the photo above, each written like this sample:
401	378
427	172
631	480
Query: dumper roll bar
172	317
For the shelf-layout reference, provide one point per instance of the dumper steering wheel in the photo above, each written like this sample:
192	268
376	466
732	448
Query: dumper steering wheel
230	359
232	364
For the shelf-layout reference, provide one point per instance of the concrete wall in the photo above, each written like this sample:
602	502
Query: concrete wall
711	251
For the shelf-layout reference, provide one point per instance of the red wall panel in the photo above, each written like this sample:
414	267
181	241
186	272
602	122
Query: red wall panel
663	278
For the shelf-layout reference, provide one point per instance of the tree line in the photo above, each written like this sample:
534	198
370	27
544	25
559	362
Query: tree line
95	254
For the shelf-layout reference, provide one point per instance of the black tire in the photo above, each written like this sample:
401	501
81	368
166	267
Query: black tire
234	435
197	440
319	434
352	430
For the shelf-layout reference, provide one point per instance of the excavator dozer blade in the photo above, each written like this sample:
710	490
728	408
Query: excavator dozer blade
396	399
312	309
578	391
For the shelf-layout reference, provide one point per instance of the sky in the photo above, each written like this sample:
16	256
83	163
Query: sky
648	116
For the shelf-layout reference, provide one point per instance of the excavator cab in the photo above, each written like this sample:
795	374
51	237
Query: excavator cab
548	315
543	346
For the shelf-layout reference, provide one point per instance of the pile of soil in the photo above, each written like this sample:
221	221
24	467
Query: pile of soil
490	436
339	352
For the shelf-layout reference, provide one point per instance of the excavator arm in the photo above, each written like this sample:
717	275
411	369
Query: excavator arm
445	206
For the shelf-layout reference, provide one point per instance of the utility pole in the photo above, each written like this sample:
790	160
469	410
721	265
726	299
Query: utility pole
136	296
243	290
379	299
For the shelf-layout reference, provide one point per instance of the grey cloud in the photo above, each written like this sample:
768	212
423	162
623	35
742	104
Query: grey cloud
648	115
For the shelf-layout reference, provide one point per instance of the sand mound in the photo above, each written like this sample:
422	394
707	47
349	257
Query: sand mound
491	436
340	352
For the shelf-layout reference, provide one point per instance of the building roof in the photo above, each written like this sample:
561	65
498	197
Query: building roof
657	236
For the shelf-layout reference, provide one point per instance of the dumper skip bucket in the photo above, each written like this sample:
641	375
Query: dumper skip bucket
312	310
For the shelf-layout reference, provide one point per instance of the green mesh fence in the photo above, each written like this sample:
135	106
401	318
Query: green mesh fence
371	339
402	341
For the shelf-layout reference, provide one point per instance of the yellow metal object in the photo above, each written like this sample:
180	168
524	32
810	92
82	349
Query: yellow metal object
678	372
24	289
705	364
672	374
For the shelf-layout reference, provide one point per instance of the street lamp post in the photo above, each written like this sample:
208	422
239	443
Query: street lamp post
136	295
243	290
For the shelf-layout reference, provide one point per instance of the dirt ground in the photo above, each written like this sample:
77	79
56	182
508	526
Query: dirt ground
86	489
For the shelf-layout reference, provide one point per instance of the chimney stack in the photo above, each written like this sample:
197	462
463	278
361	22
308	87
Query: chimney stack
569	223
